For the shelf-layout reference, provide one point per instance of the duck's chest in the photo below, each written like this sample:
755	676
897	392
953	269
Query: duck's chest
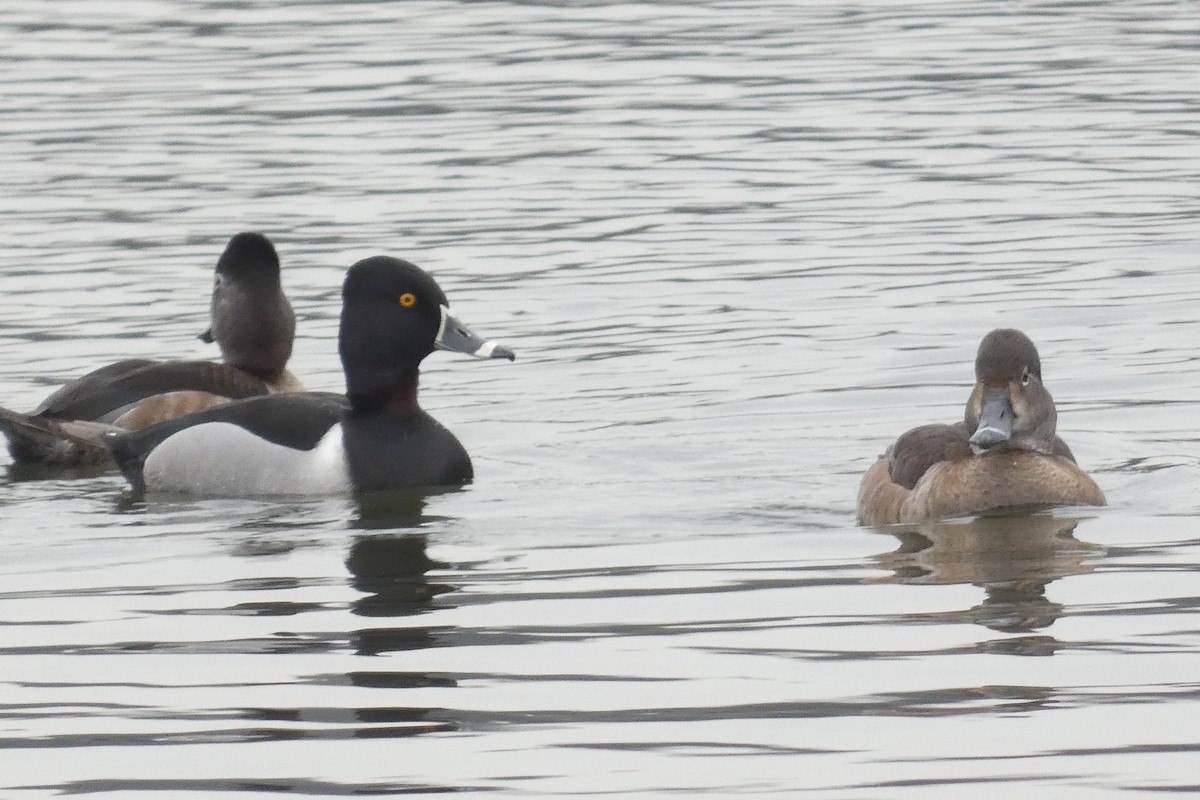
389	452
1001	479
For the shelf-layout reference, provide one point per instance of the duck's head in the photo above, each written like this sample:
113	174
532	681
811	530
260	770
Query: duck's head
1009	406
252	321
393	315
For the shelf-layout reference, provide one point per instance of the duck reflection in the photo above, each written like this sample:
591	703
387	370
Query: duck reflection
19	473
392	572
391	569
391	566
1012	558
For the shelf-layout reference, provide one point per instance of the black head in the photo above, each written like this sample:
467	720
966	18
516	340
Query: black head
250	257
393	315
251	319
1009	405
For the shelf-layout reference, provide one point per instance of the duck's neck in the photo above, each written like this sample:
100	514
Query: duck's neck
267	376
398	397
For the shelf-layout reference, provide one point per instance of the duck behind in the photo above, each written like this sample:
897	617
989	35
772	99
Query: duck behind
1005	453
252	323
374	438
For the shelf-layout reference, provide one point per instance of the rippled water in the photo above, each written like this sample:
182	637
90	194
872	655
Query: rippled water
738	247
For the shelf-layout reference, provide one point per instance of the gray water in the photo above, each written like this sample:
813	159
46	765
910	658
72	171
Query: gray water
738	247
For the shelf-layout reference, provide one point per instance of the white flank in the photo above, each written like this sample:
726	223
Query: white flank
218	459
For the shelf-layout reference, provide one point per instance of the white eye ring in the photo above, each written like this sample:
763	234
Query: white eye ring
1025	378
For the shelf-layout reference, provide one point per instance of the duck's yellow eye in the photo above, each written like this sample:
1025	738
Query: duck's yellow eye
408	299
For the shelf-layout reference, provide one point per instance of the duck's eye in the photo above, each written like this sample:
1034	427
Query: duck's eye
408	299
1025	377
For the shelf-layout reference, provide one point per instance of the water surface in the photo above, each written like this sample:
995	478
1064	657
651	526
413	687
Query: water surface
738	247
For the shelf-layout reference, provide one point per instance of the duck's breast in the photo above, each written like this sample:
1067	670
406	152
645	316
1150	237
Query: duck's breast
1000	479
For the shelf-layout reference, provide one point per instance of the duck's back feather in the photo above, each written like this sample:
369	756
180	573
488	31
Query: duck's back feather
915	453
920	448
107	393
62	400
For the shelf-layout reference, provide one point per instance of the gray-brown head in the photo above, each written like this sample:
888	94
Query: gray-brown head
1009	406
252	321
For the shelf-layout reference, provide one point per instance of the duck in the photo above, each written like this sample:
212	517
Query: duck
252	324
374	438
1004	454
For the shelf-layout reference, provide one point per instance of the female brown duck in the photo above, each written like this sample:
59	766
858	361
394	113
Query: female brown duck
1004	453
253	324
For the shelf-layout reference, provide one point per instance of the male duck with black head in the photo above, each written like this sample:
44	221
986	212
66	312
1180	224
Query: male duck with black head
1005	453
374	438
252	323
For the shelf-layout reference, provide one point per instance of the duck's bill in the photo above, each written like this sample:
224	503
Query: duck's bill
454	335
995	421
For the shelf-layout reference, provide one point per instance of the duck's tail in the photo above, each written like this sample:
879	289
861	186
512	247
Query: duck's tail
130	460
43	440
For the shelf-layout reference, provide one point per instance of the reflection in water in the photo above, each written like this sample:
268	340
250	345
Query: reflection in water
16	473
392	572
1013	558
396	510
391	569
